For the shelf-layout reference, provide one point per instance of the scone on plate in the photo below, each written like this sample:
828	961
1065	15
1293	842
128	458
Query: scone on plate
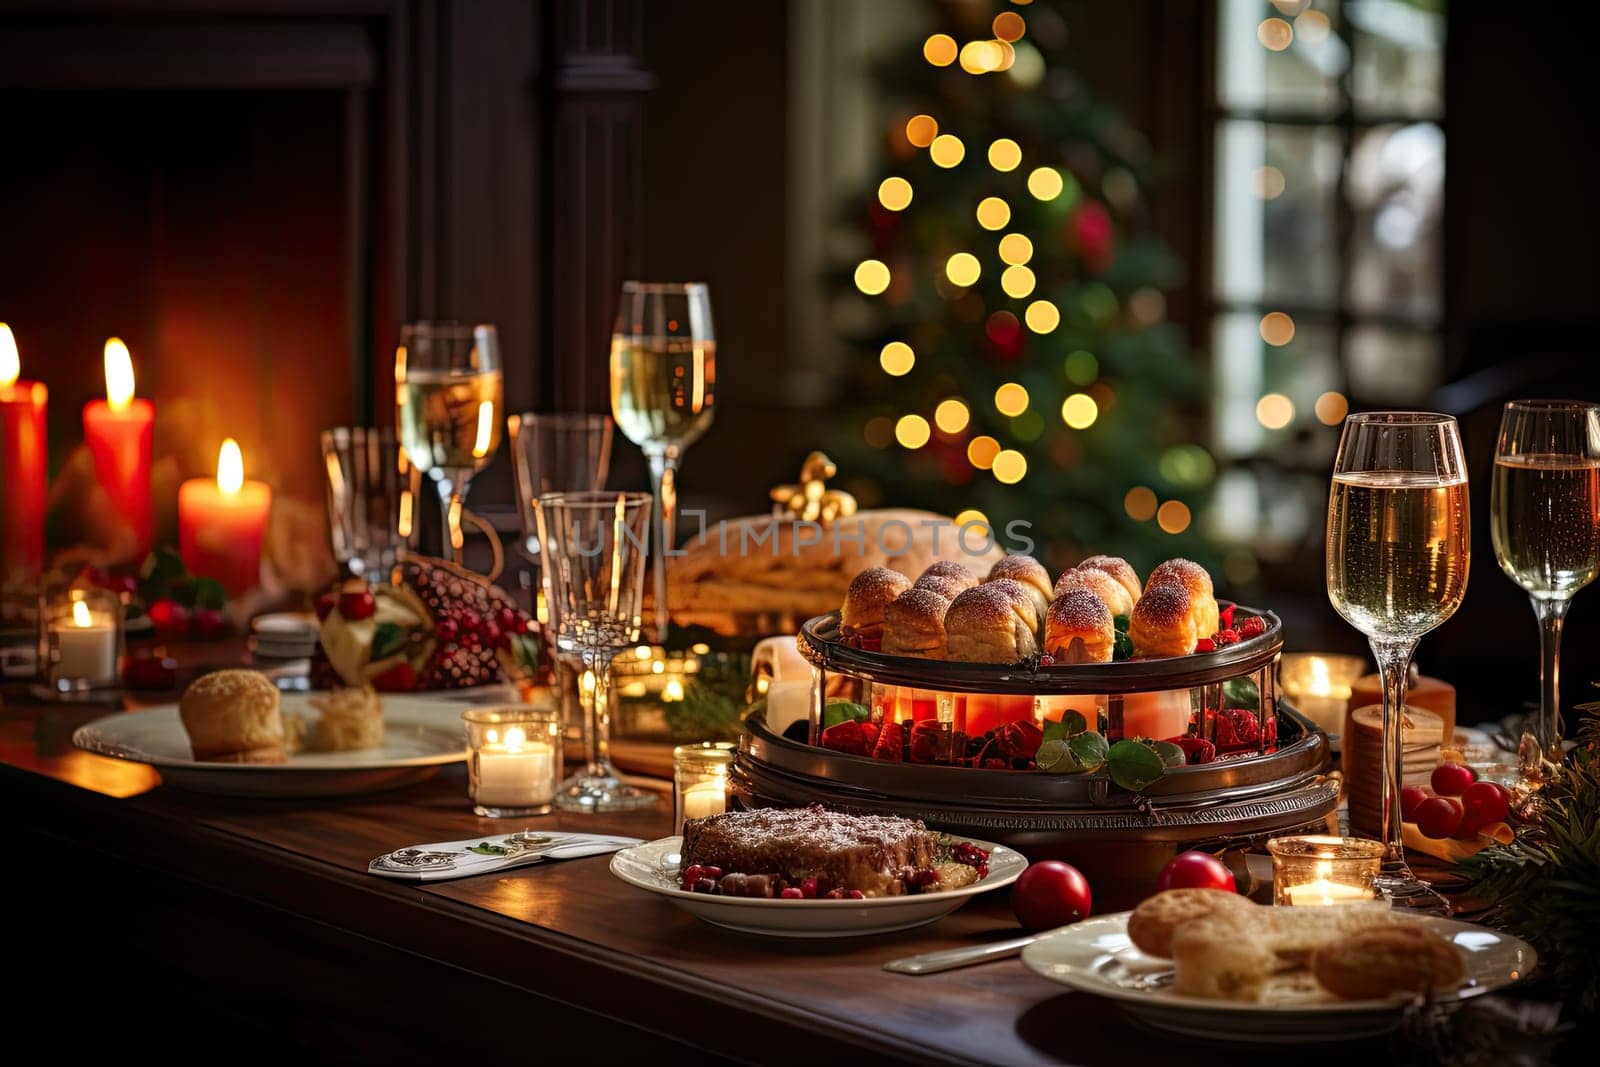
233	717
351	719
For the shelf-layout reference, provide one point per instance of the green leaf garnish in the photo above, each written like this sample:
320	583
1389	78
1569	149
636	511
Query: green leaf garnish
1171	755
1089	749
838	711
1121	643
387	639
1070	725
1134	764
1241	693
483	848
1055	757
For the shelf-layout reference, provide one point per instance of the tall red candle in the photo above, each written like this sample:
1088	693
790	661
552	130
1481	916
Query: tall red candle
23	470
222	522
117	430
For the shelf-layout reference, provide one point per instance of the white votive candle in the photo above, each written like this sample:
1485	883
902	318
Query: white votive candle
1323	892
705	799
516	774
86	646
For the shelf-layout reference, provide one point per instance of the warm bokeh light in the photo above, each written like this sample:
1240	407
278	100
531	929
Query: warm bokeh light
872	276
1017	281
894	194
940	50
119	374
951	416
1045	183
1042	316
1015	248
10	360
1173	516
1275	34
981	451
1009	466
1005	155
981	57
1313	27
1079	411
971	515
947	150
1274	411
1277	328
1269	182
912	431
897	358
1011	399
1081	367
1147	306
1008	26
879	431
1331	408
1140	503
921	130
1187	465
993	213
485	437
962	269
230	467
1027	67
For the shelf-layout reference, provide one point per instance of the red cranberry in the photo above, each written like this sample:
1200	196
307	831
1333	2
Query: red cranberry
357	604
170	618
151	672
446	630
808	887
209	623
854	894
325	605
507	618
491	634
792	893
123	583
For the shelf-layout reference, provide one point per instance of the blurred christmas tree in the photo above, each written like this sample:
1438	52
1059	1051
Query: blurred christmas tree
1015	360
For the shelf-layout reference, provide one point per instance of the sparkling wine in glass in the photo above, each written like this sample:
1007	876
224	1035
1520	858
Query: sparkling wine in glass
663	393
448	404
1544	508
595	546
1399	545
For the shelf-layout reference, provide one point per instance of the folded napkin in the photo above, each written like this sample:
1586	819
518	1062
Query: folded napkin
479	855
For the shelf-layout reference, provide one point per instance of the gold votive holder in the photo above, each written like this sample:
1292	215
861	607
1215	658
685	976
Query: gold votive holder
80	641
1318	684
513	759
700	781
1319	870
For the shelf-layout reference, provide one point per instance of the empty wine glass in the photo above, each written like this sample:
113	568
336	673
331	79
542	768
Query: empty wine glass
1544	509
595	546
372	491
447	407
663	393
1399	545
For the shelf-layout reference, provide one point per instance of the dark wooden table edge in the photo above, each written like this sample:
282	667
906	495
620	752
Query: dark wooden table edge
656	997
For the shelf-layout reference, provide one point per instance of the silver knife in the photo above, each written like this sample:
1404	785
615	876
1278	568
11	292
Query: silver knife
951	958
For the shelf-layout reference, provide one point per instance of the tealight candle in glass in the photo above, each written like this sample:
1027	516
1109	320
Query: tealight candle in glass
80	640
1318	870
1318	684
700	781
514	759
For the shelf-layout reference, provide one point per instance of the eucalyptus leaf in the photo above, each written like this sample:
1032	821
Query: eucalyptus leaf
1090	750
1121	643
387	639
1069	725
1171	755
838	711
1241	693
1134	765
1056	757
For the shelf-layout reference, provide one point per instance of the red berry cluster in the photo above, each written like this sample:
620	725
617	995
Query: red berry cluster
1252	626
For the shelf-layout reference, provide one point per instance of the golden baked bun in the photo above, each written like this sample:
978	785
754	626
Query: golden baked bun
1162	623
233	717
1028	573
946	585
960	573
913	624
864	602
767	572
1119	569
1153	922
994	623
352	718
1101	584
1403	957
1078	628
1197	580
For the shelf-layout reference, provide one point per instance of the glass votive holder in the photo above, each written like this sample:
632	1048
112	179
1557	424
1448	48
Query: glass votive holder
513	759
80	640
1318	870
700	781
1318	684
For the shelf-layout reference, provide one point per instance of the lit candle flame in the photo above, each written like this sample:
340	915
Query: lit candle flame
480	447
673	690
1319	685
10	362
119	374
80	614
515	738
230	467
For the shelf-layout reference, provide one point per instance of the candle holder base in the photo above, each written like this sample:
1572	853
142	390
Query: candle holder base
1404	890
588	791
111	694
485	811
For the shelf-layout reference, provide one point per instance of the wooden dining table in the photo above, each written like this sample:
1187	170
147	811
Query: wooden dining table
253	924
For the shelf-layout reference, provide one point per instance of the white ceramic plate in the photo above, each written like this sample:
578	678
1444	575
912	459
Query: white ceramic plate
419	737
654	867
1095	956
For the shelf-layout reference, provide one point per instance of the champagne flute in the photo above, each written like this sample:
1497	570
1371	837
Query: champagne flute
1544	507
1399	544
663	392
447	406
594	546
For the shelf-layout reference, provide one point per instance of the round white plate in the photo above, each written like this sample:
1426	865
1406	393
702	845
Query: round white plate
1095	956
654	867
419	737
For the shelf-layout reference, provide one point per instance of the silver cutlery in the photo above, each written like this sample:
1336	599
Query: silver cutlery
951	958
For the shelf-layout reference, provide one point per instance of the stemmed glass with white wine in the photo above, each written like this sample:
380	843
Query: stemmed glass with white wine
1399	544
448	398
663	393
1544	508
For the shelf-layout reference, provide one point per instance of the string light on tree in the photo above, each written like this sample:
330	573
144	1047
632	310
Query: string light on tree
921	130
1079	411
1009	466
972	515
962	269
1082	368
1274	411
872	276
947	150
1173	517
981	57
1042	317
1008	26
951	416
1045	183
1275	34
894	194
993	213
1331	408
1015	249
1277	328
940	50
1011	399
1005	155
1017	281
897	358
912	431
981	451
1140	503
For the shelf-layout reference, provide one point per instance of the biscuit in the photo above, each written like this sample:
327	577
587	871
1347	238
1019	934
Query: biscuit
1398	957
1152	923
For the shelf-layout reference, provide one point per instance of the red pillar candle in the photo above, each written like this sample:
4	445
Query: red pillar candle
221	523
23	469
117	430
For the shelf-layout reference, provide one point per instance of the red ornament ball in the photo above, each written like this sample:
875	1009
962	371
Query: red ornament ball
1195	870
1050	894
